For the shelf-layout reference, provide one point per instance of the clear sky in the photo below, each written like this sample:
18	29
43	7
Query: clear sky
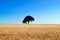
44	11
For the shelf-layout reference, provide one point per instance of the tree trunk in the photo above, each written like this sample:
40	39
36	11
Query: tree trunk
28	23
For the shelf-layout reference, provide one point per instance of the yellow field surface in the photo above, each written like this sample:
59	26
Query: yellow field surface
30	32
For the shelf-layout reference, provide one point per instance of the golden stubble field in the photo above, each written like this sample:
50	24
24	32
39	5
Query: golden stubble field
30	32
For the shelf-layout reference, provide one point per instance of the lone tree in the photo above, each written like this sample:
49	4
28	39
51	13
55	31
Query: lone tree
27	19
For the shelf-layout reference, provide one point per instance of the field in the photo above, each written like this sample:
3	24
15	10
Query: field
30	32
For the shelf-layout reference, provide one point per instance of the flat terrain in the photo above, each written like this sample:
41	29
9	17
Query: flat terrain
30	32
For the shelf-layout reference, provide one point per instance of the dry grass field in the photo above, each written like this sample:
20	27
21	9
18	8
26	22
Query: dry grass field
30	32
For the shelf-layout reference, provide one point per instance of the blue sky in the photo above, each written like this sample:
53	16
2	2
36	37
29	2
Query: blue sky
44	11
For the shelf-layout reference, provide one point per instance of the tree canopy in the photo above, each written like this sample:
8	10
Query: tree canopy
27	19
